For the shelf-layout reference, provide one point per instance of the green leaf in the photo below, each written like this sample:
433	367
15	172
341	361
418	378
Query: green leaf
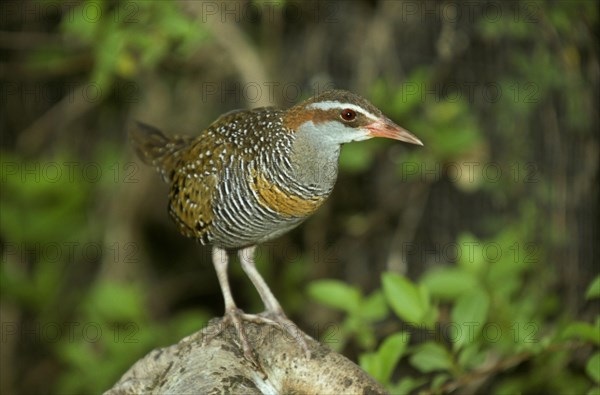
469	314
470	357
582	330
593	290
374	308
391	350
448	283
439	380
593	367
381	364
407	385
363	334
336	294
407	300
371	363
431	356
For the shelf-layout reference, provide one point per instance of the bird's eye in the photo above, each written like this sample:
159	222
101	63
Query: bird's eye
348	114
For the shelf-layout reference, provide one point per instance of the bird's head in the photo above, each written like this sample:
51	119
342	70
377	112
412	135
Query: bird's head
338	116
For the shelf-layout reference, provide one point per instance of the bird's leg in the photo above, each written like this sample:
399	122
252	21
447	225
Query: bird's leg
273	309
247	261
233	315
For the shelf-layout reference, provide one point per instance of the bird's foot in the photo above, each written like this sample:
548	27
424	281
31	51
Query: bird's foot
233	317
237	316
279	319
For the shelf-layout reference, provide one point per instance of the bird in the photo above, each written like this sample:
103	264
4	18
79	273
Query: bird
255	174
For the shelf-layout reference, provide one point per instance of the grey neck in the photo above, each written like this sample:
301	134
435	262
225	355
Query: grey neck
314	160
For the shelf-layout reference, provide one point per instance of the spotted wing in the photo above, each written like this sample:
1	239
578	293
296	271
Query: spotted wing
193	188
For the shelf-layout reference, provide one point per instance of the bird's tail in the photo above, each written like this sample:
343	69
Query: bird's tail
156	149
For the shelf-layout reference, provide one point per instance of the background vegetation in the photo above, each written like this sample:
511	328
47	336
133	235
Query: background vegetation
470	265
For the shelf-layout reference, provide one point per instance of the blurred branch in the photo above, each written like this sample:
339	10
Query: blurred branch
25	40
376	46
56	118
243	55
407	227
66	68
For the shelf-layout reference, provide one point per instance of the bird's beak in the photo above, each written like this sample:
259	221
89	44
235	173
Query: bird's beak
384	127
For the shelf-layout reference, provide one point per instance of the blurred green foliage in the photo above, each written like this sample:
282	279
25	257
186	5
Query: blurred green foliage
480	324
125	333
96	332
361	311
131	36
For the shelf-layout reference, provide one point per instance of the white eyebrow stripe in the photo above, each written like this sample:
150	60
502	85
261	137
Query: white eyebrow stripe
329	105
